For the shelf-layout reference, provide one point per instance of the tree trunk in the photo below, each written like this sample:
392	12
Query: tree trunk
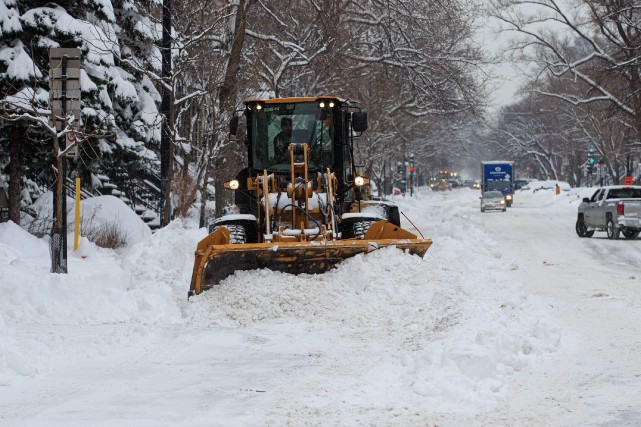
205	143
165	110
203	196
15	176
230	160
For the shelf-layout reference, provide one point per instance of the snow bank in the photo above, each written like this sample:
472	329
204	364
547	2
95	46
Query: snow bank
440	333
111	208
141	287
96	212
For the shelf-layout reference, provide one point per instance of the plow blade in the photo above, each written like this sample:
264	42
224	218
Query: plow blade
215	262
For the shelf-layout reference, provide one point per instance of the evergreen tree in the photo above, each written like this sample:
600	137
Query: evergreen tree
136	103
119	118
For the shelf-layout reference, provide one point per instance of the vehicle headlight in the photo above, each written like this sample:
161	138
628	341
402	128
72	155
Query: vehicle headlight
359	181
233	184
502	202
509	197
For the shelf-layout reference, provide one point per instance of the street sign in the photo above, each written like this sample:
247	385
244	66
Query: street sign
73	87
64	100
64	85
72	145
73	107
72	73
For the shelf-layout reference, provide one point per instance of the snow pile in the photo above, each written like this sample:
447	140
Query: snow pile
142	286
445	331
547	185
440	334
96	212
543	194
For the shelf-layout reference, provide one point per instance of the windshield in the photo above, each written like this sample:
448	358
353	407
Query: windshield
275	126
499	185
493	195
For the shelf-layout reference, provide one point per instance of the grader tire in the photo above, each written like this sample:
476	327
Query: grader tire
237	235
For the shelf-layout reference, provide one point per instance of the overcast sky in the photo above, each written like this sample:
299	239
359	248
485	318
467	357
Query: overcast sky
508	75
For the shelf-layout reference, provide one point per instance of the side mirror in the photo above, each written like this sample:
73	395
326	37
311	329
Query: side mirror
359	121
233	125
586	200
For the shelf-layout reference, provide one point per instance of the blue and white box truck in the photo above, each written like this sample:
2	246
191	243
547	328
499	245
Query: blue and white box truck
498	175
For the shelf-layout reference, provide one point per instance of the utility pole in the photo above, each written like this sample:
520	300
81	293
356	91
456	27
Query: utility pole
165	111
411	173
64	99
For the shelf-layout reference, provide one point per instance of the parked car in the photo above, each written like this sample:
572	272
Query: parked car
493	200
614	209
520	183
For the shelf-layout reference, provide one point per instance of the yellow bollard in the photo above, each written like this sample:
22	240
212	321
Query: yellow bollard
77	223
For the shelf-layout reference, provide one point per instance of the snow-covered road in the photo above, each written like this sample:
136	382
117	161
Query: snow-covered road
592	288
509	320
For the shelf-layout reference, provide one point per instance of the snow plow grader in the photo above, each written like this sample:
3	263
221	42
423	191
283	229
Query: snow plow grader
301	205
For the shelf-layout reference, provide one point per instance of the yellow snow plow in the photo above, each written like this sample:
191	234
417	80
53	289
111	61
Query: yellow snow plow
216	259
302	210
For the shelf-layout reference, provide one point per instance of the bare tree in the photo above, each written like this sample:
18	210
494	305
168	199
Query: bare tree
592	46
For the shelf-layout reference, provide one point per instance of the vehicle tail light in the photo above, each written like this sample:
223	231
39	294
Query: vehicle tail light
620	209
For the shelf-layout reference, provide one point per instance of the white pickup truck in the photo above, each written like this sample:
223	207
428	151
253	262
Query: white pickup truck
615	209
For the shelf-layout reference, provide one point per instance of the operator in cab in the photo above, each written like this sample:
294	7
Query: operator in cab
278	150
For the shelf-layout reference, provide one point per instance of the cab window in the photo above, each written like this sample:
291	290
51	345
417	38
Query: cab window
598	195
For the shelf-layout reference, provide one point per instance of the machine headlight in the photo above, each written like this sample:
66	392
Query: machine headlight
233	184
359	181
509	197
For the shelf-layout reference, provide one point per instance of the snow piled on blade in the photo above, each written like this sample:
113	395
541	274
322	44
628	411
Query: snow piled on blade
161	267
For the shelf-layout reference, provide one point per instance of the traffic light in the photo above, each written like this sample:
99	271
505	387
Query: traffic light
411	164
591	158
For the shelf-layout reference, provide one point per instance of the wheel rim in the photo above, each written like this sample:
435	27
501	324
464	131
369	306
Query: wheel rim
581	228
